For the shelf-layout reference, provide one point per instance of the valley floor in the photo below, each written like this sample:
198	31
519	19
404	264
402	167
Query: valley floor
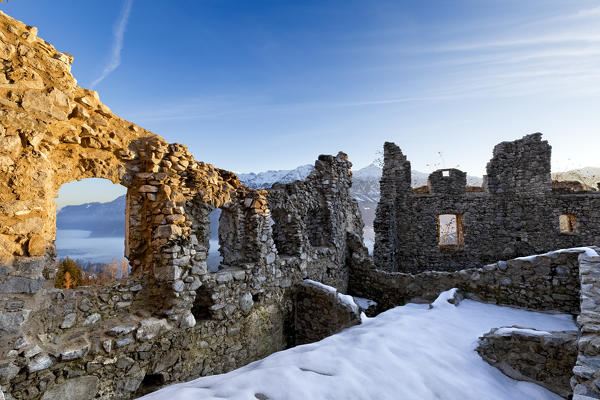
409	352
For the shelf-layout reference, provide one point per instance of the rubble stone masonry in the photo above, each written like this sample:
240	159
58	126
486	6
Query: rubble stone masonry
515	214
173	320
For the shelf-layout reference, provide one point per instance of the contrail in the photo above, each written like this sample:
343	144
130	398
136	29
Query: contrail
119	32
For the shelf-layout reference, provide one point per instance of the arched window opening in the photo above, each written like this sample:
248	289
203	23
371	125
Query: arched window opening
90	233
450	230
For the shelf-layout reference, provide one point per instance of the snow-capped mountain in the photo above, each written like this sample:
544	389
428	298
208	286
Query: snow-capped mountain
264	180
589	176
101	219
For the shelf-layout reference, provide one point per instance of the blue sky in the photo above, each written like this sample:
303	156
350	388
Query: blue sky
256	85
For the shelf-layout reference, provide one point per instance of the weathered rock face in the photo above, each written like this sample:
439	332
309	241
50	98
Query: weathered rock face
172	319
544	358
320	311
515	214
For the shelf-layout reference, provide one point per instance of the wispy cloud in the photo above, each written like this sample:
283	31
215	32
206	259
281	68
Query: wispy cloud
117	48
532	41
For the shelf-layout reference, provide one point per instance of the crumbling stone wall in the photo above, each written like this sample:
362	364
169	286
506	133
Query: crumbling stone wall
172	319
547	282
514	215
587	369
313	218
564	280
544	358
320	311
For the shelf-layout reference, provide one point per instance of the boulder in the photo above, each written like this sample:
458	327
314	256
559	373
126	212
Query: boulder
80	388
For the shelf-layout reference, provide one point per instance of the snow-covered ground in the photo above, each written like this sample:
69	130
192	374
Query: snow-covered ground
409	352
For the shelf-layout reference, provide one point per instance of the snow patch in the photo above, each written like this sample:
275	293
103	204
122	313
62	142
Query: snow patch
509	331
586	250
443	300
344	298
364	303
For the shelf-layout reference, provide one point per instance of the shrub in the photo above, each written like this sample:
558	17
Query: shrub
69	274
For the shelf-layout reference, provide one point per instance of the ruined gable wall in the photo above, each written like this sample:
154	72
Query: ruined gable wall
395	188
517	214
312	219
172	320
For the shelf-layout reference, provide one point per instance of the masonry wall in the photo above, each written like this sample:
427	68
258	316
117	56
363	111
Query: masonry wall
544	358
173	319
320	311
547	282
586	372
515	214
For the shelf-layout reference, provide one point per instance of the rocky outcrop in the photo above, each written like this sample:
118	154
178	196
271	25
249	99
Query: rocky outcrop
544	358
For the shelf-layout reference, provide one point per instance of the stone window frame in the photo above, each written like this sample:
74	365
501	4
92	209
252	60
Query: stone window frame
571	224
460	232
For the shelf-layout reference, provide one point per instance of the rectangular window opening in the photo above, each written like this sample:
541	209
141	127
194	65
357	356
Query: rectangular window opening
567	223
450	230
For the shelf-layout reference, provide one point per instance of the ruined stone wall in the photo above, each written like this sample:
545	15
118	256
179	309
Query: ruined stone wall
172	319
516	214
564	280
544	358
311	220
547	282
320	311
587	369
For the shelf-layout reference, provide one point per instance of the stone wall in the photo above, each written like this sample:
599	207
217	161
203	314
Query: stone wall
586	379
515	214
542	282
563	280
320	311
172	319
544	358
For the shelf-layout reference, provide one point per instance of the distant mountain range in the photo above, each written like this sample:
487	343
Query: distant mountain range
108	219
101	219
589	176
264	180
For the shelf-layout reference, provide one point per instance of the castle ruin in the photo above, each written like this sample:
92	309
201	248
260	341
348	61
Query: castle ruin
173	320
